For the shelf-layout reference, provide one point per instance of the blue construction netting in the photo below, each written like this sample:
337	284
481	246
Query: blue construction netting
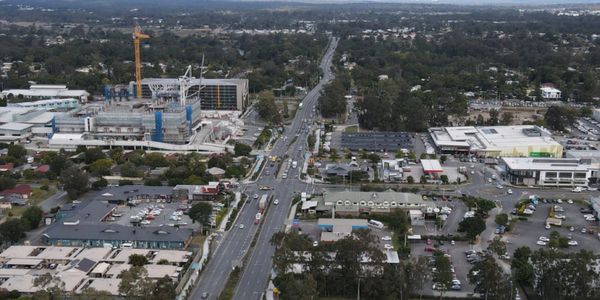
158	130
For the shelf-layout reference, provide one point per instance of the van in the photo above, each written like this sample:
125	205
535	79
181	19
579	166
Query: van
127	245
376	224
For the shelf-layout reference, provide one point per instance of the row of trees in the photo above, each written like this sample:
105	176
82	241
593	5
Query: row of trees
345	274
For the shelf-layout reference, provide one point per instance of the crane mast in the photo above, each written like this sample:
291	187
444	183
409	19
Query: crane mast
138	36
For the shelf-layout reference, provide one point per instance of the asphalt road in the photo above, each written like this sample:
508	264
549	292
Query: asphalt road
233	244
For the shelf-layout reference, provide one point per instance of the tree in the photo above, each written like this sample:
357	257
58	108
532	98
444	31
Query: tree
493	120
12	230
129	169
472	227
164	288
200	212
7	183
507	118
241	149
51	287
558	117
443	272
501	219
266	107
522	268
153	182
443	159
32	217
16	151
138	260
93	154
92	294
311	140
410	180
490	280
74	180
419	273
99	184
155	160
101	166
497	246
444	179
135	283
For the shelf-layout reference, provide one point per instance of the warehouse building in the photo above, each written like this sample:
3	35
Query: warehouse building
349	203
45	91
494	141
550	172
215	94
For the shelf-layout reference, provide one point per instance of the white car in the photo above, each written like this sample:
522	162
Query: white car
541	243
145	222
544	239
255	196
388	247
472	172
559	216
241	226
570	201
573	243
499	186
590	219
509	191
276	201
315	244
559	201
547	227
577	190
386	238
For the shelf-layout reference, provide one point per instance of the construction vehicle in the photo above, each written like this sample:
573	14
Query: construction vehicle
138	36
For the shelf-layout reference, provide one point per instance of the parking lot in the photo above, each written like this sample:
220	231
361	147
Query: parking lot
153	214
586	129
527	233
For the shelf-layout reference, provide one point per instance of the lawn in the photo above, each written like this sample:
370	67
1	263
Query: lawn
351	129
37	196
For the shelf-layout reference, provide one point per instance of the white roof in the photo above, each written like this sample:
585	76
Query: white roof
50	91
95	254
548	89
24	261
109	285
67	136
491	137
17	251
23	284
431	165
101	268
15	126
116	269
173	256
58	253
125	253
160	271
309	204
546	164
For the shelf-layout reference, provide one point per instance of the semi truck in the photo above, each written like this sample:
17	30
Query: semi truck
262	203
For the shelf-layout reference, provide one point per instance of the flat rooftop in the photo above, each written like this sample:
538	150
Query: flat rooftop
492	137
545	164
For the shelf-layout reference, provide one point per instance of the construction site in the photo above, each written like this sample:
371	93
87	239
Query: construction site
163	114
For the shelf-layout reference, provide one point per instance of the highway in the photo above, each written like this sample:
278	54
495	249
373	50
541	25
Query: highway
232	245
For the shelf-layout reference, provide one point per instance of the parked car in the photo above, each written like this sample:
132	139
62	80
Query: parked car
541	243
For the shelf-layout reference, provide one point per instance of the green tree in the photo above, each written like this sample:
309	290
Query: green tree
155	160
93	154
410	180
497	246
12	230
266	107
443	272
472	227
444	179
419	273
241	149
501	219
99	184
153	182
164	288
50	287
521	266
490	280
507	118
200	212
17	151
135	283
138	260
101	166
129	169
311	141
92	294
74	181
32	216
443	159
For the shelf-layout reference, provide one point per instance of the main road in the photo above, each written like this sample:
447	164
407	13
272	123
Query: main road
233	245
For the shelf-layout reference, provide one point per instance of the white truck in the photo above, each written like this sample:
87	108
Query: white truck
294	164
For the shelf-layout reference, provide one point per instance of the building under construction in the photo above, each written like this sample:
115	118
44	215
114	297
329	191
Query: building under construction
215	94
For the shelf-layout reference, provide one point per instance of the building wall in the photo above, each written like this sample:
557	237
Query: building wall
548	178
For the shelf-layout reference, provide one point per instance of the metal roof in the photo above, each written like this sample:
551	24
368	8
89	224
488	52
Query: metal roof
115	232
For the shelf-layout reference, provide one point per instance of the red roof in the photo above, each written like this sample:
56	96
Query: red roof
7	167
21	189
42	169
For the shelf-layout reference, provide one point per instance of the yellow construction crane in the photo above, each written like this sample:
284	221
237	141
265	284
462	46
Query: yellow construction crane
138	36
